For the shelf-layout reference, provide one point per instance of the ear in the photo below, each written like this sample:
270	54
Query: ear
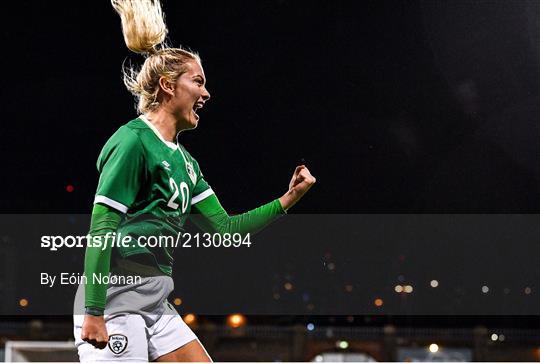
167	86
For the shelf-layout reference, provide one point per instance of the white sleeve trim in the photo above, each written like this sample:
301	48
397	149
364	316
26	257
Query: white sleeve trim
201	196
112	203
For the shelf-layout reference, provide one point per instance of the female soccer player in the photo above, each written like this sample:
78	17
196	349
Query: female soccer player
148	186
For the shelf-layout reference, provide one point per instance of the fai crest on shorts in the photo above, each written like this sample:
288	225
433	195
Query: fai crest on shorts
118	343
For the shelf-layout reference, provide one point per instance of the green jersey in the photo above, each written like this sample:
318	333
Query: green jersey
147	187
153	182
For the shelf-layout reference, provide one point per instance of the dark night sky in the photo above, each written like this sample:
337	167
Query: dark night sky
395	106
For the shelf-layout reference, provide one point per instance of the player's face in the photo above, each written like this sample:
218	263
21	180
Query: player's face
190	94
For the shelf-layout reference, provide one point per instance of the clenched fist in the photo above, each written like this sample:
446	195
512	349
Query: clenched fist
301	182
94	331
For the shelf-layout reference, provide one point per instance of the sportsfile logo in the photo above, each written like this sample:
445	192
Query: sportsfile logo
122	240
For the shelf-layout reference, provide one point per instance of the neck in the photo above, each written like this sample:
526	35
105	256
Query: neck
165	123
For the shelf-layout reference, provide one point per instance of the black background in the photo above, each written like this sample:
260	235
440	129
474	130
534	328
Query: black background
395	106
401	106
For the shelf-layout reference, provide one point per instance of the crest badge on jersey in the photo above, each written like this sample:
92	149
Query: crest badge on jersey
191	172
118	343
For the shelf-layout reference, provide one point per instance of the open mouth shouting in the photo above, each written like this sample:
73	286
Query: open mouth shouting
198	105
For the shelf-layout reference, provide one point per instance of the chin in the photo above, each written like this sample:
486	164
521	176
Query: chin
192	124
189	124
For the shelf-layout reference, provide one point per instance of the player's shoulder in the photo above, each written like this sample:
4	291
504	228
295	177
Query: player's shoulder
130	131
136	125
127	136
133	129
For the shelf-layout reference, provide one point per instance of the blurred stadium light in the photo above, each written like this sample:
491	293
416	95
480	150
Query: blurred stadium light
342	357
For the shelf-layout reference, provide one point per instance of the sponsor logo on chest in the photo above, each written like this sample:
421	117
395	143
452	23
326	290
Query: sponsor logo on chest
166	165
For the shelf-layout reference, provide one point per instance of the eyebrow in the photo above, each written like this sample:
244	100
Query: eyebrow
197	75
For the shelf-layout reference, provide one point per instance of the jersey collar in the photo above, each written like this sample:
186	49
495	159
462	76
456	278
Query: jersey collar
151	126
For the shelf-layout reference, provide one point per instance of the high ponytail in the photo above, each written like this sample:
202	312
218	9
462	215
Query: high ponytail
144	29
143	24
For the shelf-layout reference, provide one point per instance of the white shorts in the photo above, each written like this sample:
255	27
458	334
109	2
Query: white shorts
141	324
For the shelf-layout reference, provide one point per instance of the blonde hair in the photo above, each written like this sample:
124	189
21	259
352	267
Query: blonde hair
144	29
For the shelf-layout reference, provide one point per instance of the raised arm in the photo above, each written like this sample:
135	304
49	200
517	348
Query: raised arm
210	216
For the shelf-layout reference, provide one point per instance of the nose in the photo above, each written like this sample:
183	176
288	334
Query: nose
205	95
